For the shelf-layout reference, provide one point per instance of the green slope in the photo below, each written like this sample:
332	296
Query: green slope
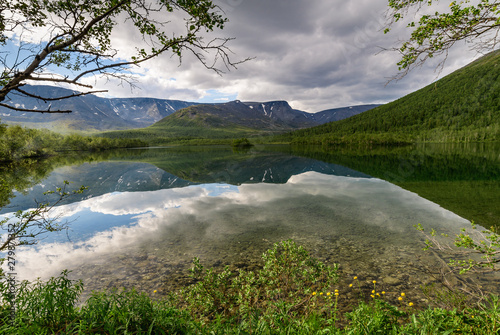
203	123
463	106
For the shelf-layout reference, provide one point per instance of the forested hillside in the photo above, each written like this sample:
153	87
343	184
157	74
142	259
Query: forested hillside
462	107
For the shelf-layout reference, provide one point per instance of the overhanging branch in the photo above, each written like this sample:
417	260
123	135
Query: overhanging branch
59	98
34	110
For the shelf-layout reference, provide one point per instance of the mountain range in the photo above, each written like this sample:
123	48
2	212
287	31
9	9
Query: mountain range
90	112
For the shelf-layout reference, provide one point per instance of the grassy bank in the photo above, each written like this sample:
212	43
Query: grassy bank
17	142
291	294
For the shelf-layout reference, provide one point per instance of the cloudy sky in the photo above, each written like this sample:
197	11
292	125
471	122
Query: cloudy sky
315	54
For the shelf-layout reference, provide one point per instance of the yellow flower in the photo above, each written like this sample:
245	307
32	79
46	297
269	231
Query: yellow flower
402	294
314	293
383	292
400	298
154	291
336	290
374	281
350	285
355	277
378	294
336	293
373	291
372	296
321	293
410	304
328	293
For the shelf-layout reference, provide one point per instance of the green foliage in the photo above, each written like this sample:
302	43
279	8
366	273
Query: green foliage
17	142
241	143
485	243
435	33
265	302
49	304
446	298
377	317
284	285
131	311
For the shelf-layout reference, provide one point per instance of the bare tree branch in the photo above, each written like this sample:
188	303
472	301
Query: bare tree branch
33	110
45	99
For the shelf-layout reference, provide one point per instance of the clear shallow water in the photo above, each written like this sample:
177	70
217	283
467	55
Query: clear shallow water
142	226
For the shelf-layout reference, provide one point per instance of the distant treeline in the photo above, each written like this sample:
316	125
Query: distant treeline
17	142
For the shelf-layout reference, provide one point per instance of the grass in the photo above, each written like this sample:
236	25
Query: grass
292	293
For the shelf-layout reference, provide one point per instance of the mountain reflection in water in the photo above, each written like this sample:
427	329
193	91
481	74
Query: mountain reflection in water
148	238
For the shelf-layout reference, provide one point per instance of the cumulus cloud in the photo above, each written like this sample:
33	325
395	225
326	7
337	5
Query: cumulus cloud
314	54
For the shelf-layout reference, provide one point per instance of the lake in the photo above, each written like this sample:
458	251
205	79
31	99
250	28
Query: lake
149	212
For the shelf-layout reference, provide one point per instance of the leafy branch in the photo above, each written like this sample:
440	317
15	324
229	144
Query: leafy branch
29	226
435	34
485	243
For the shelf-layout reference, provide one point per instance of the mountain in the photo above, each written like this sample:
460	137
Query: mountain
337	114
281	112
461	107
273	116
89	112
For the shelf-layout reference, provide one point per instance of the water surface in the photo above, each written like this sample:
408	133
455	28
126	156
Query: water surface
147	216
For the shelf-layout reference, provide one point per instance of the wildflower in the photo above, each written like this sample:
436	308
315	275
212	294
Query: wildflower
321	293
336	293
355	278
314	293
372	296
410	304
373	291
374	281
383	292
400	298
402	294
350	285
154	291
336	290
378	294
328	293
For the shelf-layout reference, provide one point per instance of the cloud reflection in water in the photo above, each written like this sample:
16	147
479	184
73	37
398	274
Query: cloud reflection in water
308	204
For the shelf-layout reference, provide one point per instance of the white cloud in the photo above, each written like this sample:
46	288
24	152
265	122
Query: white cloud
314	54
